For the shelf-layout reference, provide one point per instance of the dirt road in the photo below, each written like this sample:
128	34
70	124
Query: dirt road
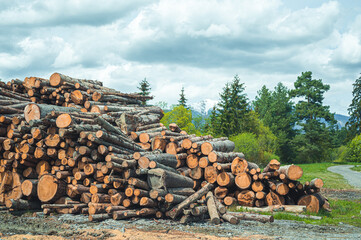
78	227
353	177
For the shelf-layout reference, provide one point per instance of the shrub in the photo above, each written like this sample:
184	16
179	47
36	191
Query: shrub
255	149
353	152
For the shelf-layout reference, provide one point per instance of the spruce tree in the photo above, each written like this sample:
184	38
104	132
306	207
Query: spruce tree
275	109
231	114
182	99
315	142
354	123
144	88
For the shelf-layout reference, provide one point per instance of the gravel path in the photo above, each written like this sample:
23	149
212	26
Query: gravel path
68	226
353	177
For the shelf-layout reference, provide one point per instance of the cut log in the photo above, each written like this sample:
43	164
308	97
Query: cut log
292	172
313	202
243	180
29	187
253	217
21	204
239	165
223	157
39	111
246	198
174	212
159	178
225	179
230	218
50	188
273	198
316	183
220	146
212	209
210	174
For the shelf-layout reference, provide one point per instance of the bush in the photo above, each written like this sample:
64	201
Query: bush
255	149
353	151
182	117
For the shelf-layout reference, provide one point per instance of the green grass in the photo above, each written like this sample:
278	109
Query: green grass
319	170
342	211
356	168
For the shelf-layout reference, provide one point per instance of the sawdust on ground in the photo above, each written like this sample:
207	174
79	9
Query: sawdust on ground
133	234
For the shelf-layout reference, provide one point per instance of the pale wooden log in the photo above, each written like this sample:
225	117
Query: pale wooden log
275	208
292	172
174	212
50	189
212	208
252	217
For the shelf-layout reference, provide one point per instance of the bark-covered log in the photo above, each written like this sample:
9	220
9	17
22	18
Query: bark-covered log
253	217
159	178
174	212
220	146
292	172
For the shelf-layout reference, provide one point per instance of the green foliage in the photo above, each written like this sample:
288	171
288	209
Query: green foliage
182	117
353	152
231	115
276	111
356	168
182	99
354	110
144	88
259	148
315	143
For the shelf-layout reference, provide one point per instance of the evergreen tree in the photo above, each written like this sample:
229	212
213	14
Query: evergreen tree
315	142
230	115
354	123
144	88
276	111
262	105
182	99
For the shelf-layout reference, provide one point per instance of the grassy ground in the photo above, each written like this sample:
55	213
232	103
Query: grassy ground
319	170
356	168
343	211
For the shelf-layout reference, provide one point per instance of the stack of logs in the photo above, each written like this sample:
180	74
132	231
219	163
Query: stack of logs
73	146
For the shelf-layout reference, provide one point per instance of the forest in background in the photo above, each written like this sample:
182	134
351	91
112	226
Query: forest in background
274	125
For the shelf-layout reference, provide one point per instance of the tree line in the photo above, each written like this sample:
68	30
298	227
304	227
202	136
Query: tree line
291	125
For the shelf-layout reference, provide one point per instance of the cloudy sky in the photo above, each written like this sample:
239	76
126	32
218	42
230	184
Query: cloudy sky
200	45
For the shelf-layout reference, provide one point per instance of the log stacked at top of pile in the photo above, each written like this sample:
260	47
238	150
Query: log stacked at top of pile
80	147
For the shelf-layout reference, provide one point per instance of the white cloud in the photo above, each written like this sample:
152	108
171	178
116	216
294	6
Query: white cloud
200	45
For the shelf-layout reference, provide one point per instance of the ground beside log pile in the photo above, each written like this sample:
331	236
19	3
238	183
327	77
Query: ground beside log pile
78	227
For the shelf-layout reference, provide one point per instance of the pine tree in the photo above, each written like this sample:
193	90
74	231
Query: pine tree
144	88
231	114
354	123
182	100
315	142
276	111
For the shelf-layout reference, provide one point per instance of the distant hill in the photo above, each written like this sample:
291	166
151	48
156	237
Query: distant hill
341	119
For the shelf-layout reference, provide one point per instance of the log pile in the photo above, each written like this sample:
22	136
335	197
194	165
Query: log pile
74	146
